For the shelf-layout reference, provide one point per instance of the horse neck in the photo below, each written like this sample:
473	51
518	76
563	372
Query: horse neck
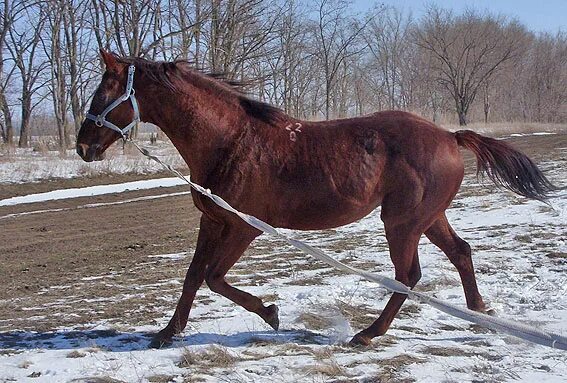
199	123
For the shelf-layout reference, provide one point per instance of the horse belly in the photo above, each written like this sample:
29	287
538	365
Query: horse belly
325	206
320	217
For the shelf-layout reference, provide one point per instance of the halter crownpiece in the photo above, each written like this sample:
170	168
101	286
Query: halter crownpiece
100	120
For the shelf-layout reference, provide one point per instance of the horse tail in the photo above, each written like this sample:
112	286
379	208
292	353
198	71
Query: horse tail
506	166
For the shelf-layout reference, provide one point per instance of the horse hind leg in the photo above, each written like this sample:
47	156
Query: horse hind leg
458	251
403	244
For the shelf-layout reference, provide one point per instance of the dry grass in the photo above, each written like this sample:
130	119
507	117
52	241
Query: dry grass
75	354
293	349
213	357
329	368
384	341
556	255
6	152
274	297
97	379
412	329
391	368
525	238
409	310
323	353
192	378
436	285
161	378
443	351
310	281
359	316
262	342
42	146
314	321
326	353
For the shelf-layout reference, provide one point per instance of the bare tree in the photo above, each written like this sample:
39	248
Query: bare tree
52	44
79	55
286	60
11	11
388	43
337	38
239	33
468	49
547	78
23	44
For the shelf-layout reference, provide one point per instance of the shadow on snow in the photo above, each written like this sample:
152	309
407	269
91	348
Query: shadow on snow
112	340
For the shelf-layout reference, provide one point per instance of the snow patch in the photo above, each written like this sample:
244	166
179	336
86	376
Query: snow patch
93	191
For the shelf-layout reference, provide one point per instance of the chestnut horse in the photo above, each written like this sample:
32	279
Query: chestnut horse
299	174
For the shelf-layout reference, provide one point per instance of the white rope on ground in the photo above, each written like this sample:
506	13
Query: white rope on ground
519	330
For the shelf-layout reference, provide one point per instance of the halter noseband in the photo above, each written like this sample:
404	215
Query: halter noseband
101	120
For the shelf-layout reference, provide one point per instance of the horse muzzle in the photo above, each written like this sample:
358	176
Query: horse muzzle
90	153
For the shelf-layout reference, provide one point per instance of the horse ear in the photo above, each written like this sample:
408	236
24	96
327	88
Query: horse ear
110	61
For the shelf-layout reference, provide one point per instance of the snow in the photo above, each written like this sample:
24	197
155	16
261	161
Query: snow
98	204
93	191
532	134
27	165
513	241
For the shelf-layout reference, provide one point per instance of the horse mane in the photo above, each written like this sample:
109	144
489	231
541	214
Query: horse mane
163	71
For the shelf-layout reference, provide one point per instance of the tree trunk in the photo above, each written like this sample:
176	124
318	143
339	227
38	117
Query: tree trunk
462	118
198	26
24	141
71	41
486	100
327	101
8	125
58	83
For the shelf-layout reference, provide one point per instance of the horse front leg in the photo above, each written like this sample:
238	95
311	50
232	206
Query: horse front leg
209	234
219	246
215	278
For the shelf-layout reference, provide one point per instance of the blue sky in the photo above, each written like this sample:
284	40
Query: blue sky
537	15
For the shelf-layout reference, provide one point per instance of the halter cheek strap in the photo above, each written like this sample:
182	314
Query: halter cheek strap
100	120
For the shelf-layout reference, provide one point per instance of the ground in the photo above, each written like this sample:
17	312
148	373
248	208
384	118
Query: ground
88	279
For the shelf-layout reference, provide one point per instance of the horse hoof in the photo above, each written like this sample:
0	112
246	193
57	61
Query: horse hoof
491	312
160	341
360	341
273	320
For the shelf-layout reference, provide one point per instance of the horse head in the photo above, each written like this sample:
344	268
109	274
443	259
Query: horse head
110	116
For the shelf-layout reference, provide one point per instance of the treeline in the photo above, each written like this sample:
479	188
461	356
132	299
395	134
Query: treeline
314	59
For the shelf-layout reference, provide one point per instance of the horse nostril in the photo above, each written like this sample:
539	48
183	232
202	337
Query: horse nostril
82	150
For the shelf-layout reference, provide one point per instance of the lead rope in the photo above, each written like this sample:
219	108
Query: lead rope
519	330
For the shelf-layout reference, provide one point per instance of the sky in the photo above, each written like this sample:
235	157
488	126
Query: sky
537	15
